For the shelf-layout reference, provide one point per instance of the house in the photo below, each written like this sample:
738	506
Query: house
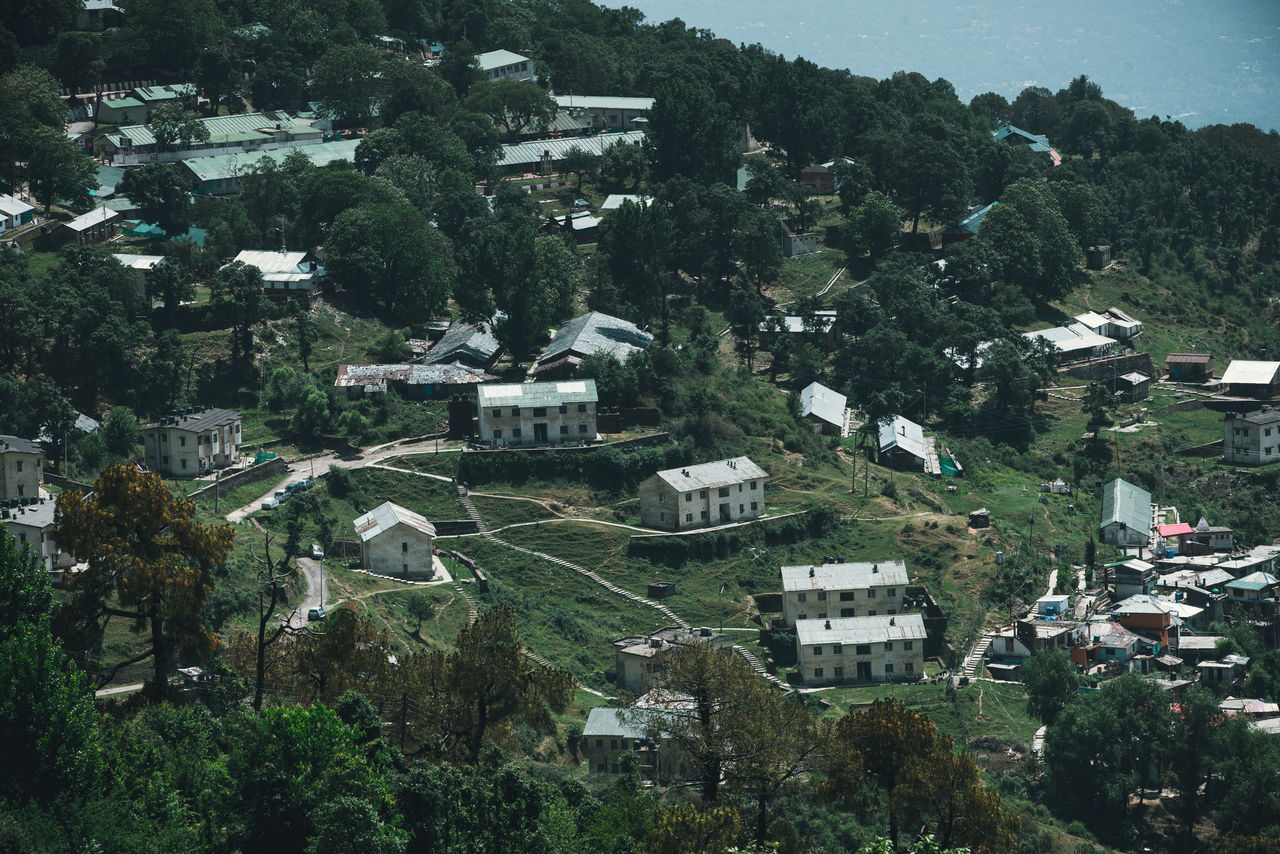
1131	387
32	525
1112	323
607	112
582	226
1132	577
472	345
967	227
1196	648
21	470
154	96
1218	538
1229	669
795	243
902	443
135	144
503	65
821	177
1075	343
1188	367
1259	380
634	654
14	212
817	328
699	496
611	733
141	265
1097	257
842	590
1150	617
97	15
1173	538
545	156
861	649
537	413
283	272
1251	438
1110	643
1256	593
1012	645
591	334
1053	605
397	542
413	382
193	442
615	200
221	174
1035	142
1126	515
95	226
824	409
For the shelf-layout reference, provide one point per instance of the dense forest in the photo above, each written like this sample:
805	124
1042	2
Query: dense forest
360	747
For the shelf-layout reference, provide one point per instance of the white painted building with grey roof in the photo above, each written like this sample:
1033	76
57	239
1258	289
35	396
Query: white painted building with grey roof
505	65
32	525
716	493
861	649
21	470
193	442
822	591
396	541
824	408
1251	438
550	413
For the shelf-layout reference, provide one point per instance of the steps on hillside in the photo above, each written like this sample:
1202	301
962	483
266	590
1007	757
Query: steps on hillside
975	656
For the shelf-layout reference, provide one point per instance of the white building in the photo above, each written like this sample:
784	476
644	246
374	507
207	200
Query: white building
537	413
902	443
634	654
842	590
503	64
396	541
193	442
282	272
607	112
861	649
20	468
699	496
13	212
32	525
141	265
1251	438
824	408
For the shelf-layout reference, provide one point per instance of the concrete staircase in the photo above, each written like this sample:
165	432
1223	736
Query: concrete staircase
759	668
975	656
472	513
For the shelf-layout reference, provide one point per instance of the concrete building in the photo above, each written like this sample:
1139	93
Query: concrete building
587	335
141	265
606	112
861	649
397	542
21	472
283	272
32	525
821	177
1126	515
610	734
634	654
13	212
902	443
193	442
95	226
1132	577
699	496
1188	367
1251	438
504	65
797	243
136	144
1246	378
823	408
842	590
553	413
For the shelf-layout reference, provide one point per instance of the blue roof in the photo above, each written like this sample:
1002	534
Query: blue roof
975	218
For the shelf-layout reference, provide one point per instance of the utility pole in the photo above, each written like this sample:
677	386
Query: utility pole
721	603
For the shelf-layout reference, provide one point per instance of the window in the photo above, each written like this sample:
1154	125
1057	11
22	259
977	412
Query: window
742	508
803	617
515	433
404	567
601	767
19	465
871	594
564	429
600	742
688	496
1008	644
822	615
893	592
848	612
688	517
184	462
871	613
497	434
582	407
624	744
893	610
888	667
753	484
817	673
613	744
662	517
497	413
888	646
539	412
704	515
613	768
182	440
515	412
582	428
817	650
822	595
563	409
802	597
724	492
739	487
404	548
837	649
702	493
863	649
753	505
909	667
846	596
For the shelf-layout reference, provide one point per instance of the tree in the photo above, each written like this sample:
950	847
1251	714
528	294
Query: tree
219	78
278	82
171	34
120	431
1033	243
692	133
1100	405
174	123
623	164
29	100
271	578
348	81
580	163
236	292
306	330
931	176
764	182
420	608
518	106
874	225
1051	679
142	545
546	296
172	282
78	61
161	194
58	170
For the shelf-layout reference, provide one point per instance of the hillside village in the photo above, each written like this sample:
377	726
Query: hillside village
678	425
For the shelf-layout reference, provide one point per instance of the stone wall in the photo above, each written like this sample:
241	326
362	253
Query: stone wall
261	471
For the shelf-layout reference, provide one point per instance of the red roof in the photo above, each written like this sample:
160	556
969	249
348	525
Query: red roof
1178	530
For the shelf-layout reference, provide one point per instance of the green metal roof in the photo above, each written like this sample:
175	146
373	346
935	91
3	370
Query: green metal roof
1127	504
221	128
164	93
219	167
123	103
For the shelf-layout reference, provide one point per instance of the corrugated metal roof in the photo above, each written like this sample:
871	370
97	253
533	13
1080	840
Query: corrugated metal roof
137	262
596	333
220	128
201	419
624	723
537	394
376	377
1246	372
1073	338
856	630
973	221
11	206
97	216
164	93
603	102
531	152
474	341
712	475
1187	359
272	261
899	432
1254	581
615	200
18	445
218	167
820	401
844	576
1122	502
1175	530
499	58
386	516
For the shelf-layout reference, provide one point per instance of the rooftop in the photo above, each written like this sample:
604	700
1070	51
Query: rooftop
1254	581
1244	372
1073	338
1128	505
602	102
537	394
15	445
97	216
272	261
593	333
531	152
844	576
37	515
137	262
10	206
498	59
615	200
712	475
1265	415
244	126
199	419
1187	359
386	516
855	630
821	402
164	93
218	167
375	377
622	723
899	432
470	340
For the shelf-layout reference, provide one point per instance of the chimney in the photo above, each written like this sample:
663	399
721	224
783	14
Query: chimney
892	621
828	624
811	572
875	567
705	632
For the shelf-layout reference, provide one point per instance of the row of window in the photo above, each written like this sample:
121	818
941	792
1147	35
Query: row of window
516	432
538	411
1245	431
688	517
848	595
723	492
838	672
846	612
863	648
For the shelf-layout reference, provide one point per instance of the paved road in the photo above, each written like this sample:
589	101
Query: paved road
313	571
119	689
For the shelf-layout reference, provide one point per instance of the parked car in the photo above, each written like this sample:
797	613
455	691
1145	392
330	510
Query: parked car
270	504
281	495
316	552
315	614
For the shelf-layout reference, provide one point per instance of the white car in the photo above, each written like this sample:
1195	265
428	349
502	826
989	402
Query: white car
317	553
270	504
